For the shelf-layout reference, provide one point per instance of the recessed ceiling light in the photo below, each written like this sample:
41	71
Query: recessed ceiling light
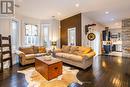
20	0
117	24
112	19
77	4
59	13
107	12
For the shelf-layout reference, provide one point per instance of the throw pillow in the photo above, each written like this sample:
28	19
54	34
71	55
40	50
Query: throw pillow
73	49
85	50
35	48
65	49
42	49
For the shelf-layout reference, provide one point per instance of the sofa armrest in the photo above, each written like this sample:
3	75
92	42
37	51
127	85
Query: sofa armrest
57	50
20	53
89	55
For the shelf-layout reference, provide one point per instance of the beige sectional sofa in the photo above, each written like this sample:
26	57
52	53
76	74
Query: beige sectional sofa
76	55
27	54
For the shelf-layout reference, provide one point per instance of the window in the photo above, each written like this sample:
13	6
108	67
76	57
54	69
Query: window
46	35
31	34
46	41
72	36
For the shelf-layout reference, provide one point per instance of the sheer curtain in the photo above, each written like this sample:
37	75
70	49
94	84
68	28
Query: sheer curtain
14	35
45	35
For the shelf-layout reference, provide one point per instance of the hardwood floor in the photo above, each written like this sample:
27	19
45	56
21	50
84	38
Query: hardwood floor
107	71
10	77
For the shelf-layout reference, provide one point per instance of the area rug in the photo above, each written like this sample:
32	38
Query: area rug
35	79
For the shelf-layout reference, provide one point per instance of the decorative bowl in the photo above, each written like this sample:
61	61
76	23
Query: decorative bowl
47	58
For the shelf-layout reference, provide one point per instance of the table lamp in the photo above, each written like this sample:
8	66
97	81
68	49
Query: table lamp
54	46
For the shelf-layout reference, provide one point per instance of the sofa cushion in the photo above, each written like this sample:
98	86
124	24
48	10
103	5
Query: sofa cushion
60	54
73	57
40	54
35	48
57	50
89	55
27	50
70	56
77	53
30	56
65	49
73	49
85	50
42	49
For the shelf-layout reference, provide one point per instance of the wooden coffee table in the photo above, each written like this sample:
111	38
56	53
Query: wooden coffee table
48	69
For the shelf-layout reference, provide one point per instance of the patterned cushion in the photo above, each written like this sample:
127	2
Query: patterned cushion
85	50
65	48
42	49
73	49
89	55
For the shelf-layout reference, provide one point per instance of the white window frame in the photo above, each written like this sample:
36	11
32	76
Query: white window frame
32	37
15	46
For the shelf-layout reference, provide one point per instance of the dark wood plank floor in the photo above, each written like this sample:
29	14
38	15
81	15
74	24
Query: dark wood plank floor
10	77
107	71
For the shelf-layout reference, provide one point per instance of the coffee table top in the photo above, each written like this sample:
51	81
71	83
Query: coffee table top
48	62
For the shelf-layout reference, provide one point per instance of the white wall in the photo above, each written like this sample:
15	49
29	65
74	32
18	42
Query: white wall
96	44
5	26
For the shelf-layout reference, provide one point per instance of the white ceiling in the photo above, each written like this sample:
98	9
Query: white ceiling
45	9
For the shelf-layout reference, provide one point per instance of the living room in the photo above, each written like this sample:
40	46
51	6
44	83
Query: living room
64	43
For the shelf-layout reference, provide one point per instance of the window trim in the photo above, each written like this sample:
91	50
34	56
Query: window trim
31	28
37	36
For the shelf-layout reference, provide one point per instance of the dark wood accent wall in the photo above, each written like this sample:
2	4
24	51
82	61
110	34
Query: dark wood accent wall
74	21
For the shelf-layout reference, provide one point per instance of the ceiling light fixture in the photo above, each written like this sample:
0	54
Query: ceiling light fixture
112	19
77	4
117	24
59	13
107	12
20	0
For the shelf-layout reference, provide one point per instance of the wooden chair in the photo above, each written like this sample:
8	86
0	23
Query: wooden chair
2	46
